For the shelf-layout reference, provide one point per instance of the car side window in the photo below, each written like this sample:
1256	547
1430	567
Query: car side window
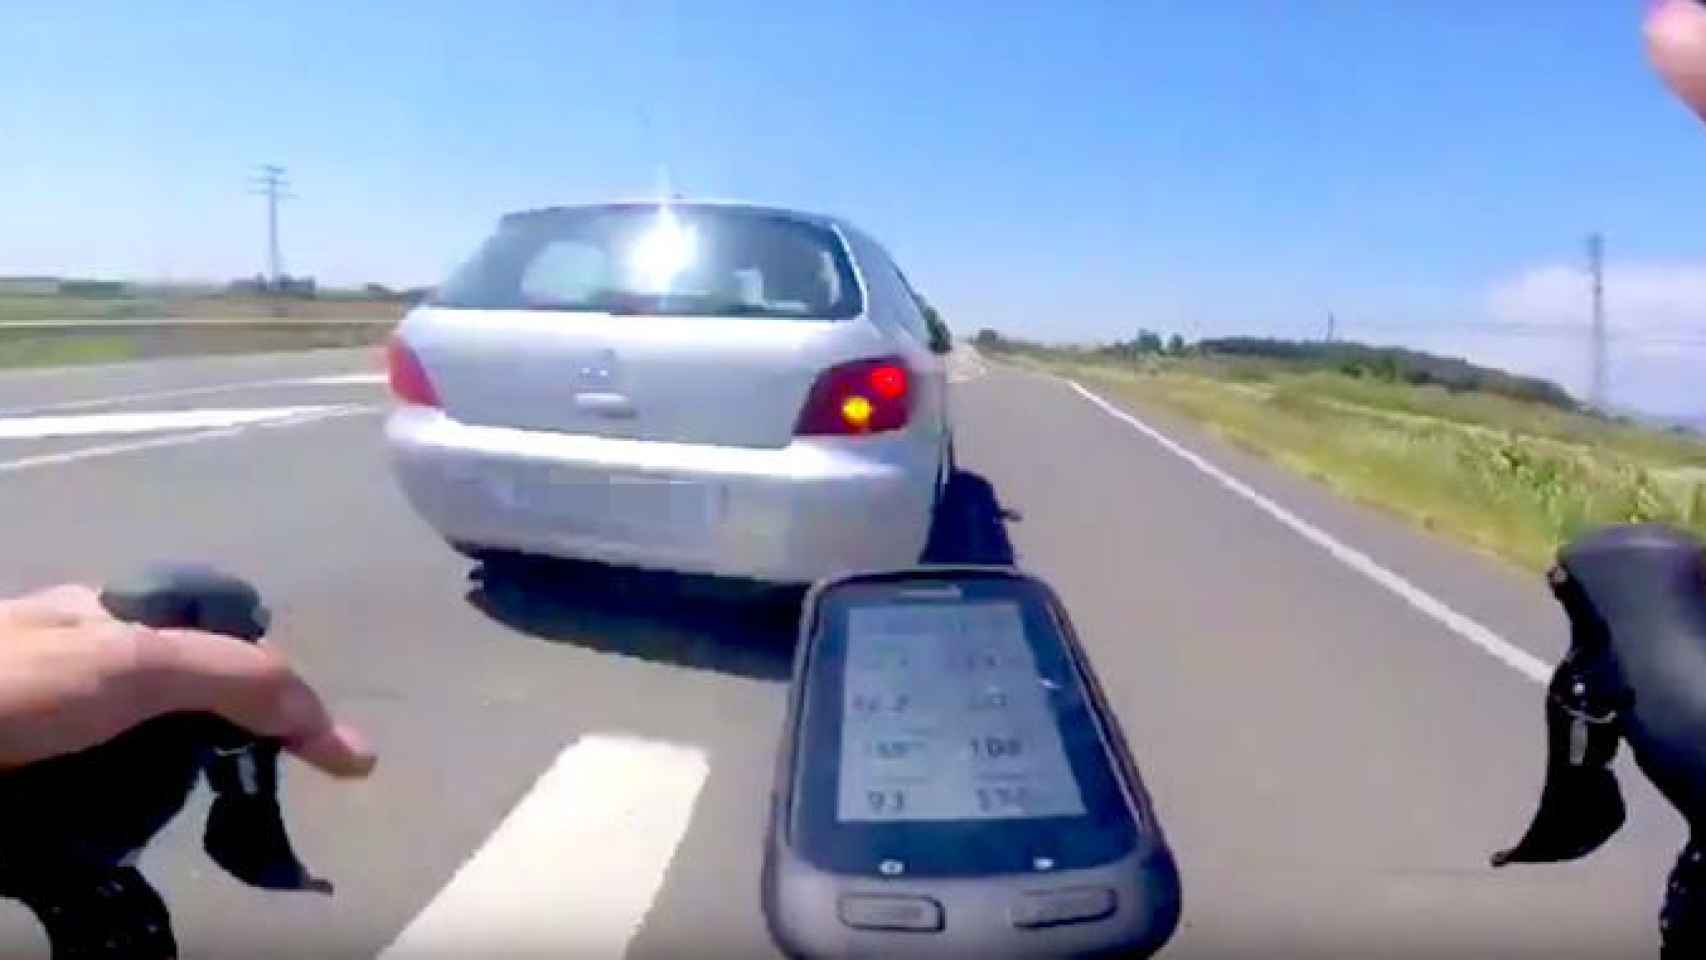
907	284
899	293
911	310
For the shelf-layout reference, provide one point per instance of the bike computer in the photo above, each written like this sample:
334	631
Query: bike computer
952	782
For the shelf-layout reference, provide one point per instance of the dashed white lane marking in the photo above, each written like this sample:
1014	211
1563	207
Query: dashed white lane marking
156	421
1501	649
572	870
88	402
179	439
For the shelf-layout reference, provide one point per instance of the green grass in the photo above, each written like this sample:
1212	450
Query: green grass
21	309
15	309
34	352
37	348
262	325
1510	478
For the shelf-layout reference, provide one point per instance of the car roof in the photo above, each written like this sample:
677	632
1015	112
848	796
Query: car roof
816	219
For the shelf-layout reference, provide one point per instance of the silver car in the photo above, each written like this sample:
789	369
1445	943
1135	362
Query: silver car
705	388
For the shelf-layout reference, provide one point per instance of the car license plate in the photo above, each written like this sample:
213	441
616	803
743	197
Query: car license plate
613	505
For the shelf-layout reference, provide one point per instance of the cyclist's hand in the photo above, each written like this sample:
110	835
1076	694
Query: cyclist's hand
72	676
1676	41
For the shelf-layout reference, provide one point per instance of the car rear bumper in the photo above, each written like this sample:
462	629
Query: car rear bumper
790	515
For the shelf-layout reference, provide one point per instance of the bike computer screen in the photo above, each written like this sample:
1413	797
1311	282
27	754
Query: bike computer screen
946	731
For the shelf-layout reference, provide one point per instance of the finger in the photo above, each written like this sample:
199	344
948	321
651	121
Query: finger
252	686
339	750
61	606
1676	41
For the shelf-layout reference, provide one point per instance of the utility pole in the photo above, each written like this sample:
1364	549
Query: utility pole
1332	326
1596	271
271	183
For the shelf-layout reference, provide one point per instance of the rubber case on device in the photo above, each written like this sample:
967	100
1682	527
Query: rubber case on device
1005	915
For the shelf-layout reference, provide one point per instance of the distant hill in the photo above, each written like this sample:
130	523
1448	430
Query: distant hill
1398	363
1394	364
1689	424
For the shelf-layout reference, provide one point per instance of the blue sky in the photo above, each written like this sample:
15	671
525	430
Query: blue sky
1066	171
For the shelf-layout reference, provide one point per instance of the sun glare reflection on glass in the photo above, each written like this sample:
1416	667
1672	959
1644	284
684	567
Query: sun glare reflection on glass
661	253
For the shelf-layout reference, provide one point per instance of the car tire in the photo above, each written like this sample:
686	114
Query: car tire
469	550
497	562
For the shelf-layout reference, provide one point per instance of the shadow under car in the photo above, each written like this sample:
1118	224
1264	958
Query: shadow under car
733	627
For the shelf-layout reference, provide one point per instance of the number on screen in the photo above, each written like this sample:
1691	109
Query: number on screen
1002	799
886	802
995	748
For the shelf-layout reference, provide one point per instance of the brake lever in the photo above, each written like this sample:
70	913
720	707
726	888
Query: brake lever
245	832
67	850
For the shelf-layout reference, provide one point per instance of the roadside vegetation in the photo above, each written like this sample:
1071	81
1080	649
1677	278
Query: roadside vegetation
100	322
64	351
1509	465
153	305
32	348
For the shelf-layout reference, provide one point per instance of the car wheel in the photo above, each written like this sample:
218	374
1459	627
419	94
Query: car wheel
469	550
499	563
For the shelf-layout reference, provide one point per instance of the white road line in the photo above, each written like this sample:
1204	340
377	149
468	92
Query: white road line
153	421
572	870
342	378
1503	650
328	413
107	450
111	449
86	403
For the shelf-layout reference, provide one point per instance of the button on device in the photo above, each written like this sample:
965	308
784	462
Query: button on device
868	912
1077	905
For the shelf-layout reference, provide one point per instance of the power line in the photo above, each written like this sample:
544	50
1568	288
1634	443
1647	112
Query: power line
271	183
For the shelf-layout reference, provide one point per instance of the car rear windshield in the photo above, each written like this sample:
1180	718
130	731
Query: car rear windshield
654	259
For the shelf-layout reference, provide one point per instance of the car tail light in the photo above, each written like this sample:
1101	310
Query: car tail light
865	396
409	381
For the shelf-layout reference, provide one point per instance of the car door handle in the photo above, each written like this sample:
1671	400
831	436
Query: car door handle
605	404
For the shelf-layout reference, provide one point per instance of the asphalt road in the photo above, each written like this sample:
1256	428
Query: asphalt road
1332	766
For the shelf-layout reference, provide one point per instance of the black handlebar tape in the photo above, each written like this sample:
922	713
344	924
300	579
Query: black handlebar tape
1641	589
189	597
